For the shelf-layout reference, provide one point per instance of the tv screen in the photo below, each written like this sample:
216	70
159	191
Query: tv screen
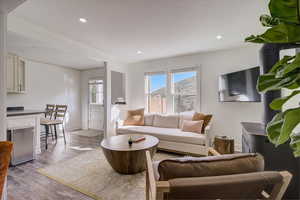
239	86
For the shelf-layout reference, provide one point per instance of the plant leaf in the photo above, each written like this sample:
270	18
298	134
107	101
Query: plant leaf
285	10
268	21
268	82
278	103
291	120
274	127
281	33
295	144
292	66
281	63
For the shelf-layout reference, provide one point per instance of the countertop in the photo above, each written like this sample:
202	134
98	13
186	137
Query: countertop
24	112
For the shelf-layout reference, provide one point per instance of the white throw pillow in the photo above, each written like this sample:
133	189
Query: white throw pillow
166	121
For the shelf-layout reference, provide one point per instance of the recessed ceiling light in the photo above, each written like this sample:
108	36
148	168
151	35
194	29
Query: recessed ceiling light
219	37
83	20
139	52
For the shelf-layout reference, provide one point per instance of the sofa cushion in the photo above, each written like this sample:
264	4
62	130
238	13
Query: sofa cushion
188	115
135	117
192	126
148	118
166	134
166	121
204	117
210	166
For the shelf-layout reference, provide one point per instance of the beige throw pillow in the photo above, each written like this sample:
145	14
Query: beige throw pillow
204	117
135	118
192	126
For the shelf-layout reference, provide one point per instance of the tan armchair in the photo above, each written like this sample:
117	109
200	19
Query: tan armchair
5	154
248	185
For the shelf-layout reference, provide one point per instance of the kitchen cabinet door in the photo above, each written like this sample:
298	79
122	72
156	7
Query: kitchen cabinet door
21	76
15	74
10	73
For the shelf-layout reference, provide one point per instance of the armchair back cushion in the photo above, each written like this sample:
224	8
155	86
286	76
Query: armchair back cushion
135	117
5	154
238	186
209	166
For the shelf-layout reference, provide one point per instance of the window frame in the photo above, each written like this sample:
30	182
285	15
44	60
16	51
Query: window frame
172	92
170	107
96	82
147	88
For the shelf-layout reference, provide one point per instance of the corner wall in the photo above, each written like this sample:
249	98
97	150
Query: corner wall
51	84
227	116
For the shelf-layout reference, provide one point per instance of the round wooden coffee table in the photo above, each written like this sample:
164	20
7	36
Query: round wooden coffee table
127	159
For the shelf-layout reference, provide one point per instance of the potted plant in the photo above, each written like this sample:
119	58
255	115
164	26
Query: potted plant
283	28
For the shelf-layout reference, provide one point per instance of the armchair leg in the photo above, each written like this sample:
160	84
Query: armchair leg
160	196
147	186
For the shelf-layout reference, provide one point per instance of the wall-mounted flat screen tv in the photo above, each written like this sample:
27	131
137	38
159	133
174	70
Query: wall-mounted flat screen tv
239	86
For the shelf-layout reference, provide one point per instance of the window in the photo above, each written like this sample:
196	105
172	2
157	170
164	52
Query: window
184	91
156	85
96	92
175	91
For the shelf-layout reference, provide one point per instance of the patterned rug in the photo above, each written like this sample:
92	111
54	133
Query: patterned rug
90	174
87	133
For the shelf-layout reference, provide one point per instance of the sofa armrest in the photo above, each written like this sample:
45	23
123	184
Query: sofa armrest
207	135
119	123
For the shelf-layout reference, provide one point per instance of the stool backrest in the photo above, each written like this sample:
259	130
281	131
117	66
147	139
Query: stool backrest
50	108
60	112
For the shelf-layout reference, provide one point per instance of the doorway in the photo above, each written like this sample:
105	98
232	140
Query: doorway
96	105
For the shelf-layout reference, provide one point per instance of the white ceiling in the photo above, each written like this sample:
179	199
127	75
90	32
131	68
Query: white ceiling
117	29
9	5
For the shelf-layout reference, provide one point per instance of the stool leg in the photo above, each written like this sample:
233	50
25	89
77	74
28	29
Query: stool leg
51	130
47	132
63	129
55	131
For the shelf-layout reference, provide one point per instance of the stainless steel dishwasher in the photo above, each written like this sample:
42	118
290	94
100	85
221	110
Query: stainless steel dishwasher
23	141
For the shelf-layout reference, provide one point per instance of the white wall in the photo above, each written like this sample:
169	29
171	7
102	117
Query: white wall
112	111
87	75
50	84
227	116
3	29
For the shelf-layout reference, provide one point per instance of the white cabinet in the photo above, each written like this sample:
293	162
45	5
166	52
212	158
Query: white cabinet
15	74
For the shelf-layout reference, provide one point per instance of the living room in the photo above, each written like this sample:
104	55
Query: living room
116	96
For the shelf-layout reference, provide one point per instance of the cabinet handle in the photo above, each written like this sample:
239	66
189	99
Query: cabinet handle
20	87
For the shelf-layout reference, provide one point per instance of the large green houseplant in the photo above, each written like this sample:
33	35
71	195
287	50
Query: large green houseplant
283	26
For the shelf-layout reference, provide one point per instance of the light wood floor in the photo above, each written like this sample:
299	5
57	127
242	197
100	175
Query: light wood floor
24	182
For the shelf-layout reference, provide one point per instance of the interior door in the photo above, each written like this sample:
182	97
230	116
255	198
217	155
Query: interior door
96	108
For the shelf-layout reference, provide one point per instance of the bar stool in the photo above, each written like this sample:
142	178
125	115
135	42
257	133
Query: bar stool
50	108
59	119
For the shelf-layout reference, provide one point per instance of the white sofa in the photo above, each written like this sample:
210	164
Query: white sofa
167	129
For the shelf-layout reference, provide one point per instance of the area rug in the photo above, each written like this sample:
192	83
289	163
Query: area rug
90	174
87	133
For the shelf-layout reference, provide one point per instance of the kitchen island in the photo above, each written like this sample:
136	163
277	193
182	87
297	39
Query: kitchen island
22	119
